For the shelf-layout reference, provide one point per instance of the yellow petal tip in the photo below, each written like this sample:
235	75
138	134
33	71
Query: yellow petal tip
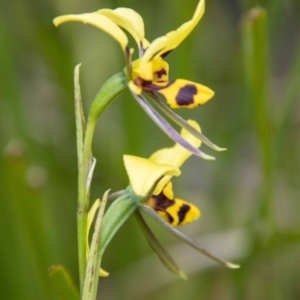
103	273
220	149
56	21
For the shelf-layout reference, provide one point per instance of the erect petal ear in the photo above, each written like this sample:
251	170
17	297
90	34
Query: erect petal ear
184	93
130	21
165	44
177	155
144	173
100	21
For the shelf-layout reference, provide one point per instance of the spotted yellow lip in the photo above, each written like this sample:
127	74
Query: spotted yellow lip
149	74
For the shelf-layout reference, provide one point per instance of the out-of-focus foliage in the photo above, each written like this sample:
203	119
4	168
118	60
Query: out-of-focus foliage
250	196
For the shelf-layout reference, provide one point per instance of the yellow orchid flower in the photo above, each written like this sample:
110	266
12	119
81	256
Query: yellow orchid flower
150	191
158	170
150	72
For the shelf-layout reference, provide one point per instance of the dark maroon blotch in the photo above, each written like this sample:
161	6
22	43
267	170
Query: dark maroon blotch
186	95
182	212
160	73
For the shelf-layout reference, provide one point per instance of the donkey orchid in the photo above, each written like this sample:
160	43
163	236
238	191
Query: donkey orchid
150	72
157	171
150	191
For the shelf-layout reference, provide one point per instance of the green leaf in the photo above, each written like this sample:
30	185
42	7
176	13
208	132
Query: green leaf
62	283
161	252
116	215
255	48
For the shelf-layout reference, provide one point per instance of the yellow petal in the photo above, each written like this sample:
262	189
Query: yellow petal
130	21
134	88
176	155
143	173
184	93
168	190
161	46
100	21
156	70
160	70
144	71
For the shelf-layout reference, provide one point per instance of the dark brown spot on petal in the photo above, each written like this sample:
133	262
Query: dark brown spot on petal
182	212
161	72
186	95
152	57
148	86
163	55
162	202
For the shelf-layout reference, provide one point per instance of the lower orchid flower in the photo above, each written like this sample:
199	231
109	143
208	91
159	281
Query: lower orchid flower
173	210
150	192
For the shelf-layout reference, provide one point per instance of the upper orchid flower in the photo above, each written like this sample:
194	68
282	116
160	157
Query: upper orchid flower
150	72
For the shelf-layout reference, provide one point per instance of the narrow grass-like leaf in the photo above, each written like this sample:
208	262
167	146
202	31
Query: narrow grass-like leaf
79	115
255	46
161	252
289	103
254	33
116	215
62	284
184	238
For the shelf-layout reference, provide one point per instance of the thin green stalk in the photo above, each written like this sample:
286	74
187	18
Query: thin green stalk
113	86
256	66
83	198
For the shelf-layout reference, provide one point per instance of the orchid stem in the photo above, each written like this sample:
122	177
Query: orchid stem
111	88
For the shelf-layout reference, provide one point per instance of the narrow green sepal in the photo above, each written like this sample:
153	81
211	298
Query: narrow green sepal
116	215
161	252
186	239
63	284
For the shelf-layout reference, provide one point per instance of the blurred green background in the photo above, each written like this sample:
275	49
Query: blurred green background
249	196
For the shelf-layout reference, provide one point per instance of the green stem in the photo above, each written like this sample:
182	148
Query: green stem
111	88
